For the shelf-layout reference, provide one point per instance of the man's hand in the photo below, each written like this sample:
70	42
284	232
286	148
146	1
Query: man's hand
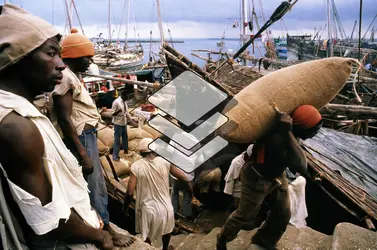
106	243
284	121
86	163
104	108
134	124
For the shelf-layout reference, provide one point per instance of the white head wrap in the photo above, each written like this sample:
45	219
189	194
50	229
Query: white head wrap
143	146
20	34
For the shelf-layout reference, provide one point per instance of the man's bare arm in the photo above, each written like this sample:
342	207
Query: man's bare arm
130	191
296	157
182	177
63	109
21	152
285	149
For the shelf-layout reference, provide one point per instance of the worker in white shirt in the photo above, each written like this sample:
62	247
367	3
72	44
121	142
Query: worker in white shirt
121	117
233	176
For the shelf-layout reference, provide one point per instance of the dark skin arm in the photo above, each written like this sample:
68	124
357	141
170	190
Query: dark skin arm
19	135
63	107
284	147
130	191
182	177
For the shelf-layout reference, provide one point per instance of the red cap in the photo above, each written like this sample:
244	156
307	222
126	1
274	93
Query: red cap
306	116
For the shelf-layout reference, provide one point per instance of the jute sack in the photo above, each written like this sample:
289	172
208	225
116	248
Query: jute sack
137	133
102	149
154	133
106	135
134	145
121	168
131	157
315	83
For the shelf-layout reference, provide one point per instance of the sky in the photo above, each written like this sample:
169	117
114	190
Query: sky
196	18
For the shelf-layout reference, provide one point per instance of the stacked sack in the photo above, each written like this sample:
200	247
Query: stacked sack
105	143
134	137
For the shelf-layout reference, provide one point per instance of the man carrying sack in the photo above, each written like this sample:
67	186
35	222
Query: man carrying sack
264	178
76	115
47	196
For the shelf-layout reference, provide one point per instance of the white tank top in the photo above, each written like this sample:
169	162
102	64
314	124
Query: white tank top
62	169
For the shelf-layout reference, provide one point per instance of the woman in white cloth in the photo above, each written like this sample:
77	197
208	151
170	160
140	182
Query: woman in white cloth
153	208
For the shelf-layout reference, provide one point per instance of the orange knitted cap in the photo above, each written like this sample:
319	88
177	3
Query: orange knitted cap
76	45
306	116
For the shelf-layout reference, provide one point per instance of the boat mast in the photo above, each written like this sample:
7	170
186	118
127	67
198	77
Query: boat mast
244	20
360	19
69	18
331	49
128	21
160	22
353	30
109	23
370	25
121	23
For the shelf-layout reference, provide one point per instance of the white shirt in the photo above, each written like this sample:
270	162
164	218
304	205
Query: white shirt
69	188
153	207
121	118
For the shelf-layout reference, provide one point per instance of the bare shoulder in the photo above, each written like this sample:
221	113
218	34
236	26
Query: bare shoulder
20	142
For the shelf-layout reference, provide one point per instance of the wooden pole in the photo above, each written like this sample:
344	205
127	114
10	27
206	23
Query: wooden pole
352	110
360	18
109	10
160	27
331	50
359	54
144	84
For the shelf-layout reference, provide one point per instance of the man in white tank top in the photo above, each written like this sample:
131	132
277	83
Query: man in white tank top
43	183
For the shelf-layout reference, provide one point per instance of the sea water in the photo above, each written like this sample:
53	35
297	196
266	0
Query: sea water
231	46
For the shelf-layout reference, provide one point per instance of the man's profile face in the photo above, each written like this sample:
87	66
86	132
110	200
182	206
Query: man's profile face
43	67
82	63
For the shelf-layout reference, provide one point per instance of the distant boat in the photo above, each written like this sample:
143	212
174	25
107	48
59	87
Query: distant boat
220	44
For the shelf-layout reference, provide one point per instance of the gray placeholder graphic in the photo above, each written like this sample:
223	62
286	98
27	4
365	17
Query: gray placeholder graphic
194	97
187	98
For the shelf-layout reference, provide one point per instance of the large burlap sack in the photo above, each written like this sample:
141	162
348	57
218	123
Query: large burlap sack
106	136
131	157
154	133
315	83
137	133
122	168
102	148
134	145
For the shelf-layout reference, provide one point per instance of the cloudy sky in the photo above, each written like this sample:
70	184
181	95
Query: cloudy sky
196	18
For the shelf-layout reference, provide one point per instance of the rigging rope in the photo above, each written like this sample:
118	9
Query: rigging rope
78	18
280	11
121	23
